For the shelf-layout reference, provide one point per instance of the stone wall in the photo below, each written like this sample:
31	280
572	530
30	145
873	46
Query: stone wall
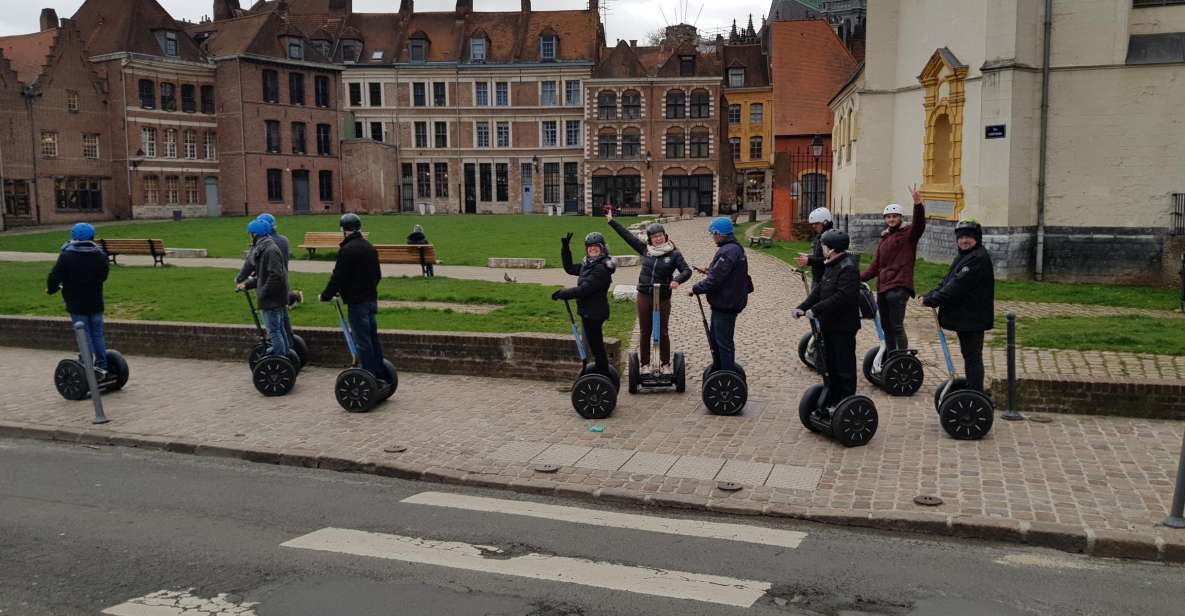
166	210
531	356
1149	399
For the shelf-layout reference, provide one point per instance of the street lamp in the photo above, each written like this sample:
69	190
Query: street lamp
816	152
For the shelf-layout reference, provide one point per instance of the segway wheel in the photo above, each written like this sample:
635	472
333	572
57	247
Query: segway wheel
966	415
356	390
294	359
274	376
258	352
902	375
807	405
725	392
854	421
616	378
69	378
117	368
392	380
594	396
740	370
806	351
301	348
869	360
633	373
959	384
680	367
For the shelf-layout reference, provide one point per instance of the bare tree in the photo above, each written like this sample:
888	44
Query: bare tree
655	37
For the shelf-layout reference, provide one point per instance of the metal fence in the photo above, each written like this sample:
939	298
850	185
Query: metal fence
810	181
1178	213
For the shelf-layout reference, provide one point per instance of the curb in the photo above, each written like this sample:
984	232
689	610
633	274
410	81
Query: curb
1102	543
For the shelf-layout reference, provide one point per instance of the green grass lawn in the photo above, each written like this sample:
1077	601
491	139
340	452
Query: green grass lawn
1134	334
206	295
459	240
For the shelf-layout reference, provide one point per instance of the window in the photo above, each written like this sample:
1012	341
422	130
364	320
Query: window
756	111
295	49
207	99
148	142
275	185
734	146
631	105
606	105
620	190
607	144
502	182
172	193
421	134
441	136
755	147
483	134
502	94
503	136
171	44
357	130
72	100
549	134
296	88
407	197
700	105
419	50
324	139
631	143
191	191
572	133
547	47
699	143
547	94
572	93
477	50
551	182
325	184
16	198
271	87
350	51
272	131
355	95
687	191
734	114
170	143
321	90
188	100
147	94
675	104
736	77
191	144
375	92
151	190
90	146
675	143
418	96
481	94
485	182
686	66
439	96
814	191
441	180
168	97
211	146
298	138
78	193
423	180
376	131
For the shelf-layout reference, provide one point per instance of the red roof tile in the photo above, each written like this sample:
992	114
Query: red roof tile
808	66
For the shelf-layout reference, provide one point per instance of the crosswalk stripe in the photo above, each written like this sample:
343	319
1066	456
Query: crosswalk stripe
672	526
643	580
180	603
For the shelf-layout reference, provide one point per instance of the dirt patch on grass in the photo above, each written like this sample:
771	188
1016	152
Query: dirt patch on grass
455	307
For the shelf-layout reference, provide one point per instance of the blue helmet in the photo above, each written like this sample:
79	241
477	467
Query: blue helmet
721	225
271	220
82	232
259	227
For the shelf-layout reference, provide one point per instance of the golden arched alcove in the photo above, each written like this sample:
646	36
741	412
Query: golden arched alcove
943	81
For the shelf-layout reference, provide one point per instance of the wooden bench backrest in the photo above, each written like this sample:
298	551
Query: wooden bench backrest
406	253
767	232
132	246
326	238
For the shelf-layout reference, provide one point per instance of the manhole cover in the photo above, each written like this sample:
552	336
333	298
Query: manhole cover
547	468
926	500
729	486
1041	418
394	449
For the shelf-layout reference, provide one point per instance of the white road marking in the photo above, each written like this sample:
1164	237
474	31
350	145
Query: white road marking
178	603
671	526
457	555
1046	561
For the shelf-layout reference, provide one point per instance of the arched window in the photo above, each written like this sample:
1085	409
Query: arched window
631	105
607	143
699	143
676	104
814	192
607	105
675	143
700	105
631	143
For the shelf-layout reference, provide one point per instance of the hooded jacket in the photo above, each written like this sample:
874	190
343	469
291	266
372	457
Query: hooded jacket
892	266
835	299
79	273
966	297
271	275
727	285
594	277
248	268
661	269
357	272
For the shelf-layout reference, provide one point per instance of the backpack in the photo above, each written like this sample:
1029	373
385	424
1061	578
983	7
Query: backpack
867	302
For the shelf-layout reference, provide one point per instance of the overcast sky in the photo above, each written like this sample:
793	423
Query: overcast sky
628	19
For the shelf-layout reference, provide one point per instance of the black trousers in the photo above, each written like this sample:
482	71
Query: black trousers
840	358
891	305
971	346
594	336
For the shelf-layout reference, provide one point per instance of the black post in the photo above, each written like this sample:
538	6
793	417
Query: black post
1010	413
1176	517
1183	283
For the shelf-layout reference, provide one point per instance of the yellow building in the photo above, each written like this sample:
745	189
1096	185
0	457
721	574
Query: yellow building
748	105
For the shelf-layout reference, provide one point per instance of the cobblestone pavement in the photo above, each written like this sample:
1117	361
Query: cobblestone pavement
1098	472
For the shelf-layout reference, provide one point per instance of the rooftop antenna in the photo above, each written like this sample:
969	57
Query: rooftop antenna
697	15
664	15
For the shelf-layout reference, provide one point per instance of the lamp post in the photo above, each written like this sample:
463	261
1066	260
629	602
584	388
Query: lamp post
816	152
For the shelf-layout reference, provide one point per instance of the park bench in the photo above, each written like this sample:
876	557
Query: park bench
765	238
115	247
329	240
409	254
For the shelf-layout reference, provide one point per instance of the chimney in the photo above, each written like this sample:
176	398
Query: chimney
633	43
464	7
407	6
526	6
594	5
226	9
49	19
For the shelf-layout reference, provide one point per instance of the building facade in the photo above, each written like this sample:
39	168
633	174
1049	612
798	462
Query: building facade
748	109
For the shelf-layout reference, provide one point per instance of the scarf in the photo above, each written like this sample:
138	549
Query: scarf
661	250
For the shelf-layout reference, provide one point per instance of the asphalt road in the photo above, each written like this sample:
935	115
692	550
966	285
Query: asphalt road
85	529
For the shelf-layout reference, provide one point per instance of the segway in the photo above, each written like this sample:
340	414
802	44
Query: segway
69	377
724	391
594	395
898	372
657	381
272	376
966	414
852	422
356	389
808	351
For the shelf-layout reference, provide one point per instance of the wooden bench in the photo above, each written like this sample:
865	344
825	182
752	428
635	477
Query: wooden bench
407	254
765	238
115	247
329	240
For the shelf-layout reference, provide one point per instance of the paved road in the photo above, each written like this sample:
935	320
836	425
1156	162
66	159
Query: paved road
88	530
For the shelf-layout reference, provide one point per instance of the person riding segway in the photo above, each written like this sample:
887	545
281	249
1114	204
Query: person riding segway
295	296
898	371
274	367
892	267
820	221
725	387
594	277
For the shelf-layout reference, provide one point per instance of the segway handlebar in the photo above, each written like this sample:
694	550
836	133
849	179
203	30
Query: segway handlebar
950	366
251	304
576	333
707	329
802	274
656	313
346	333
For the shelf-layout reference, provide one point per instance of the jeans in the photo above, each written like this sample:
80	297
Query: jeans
273	322
971	346
594	336
365	326
891	305
646	326
94	332
288	328
723	326
840	358
427	270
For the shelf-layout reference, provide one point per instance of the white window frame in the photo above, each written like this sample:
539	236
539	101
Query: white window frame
72	102
507	92
736	72
476	99
427	137
190	139
432	94
555	43
579	131
170	143
498	132
172	190
447	136
412	94
477	126
543	134
476	43
211	145
556	100
148	141
579	99
49	148
87	138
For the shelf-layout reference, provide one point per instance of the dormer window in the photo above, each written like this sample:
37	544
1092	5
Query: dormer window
350	51
168	42
418	48
686	66
323	47
736	77
477	50
547	47
376	55
295	48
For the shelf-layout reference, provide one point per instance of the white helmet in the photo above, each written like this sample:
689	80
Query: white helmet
820	216
893	208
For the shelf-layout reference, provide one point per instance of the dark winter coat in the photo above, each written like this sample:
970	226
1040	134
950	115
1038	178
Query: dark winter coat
815	260
835	300
271	275
892	266
664	269
594	277
727	285
417	238
357	272
80	273
966	297
248	268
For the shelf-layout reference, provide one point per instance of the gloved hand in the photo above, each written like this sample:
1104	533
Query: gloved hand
810	314
566	239
555	296
797	313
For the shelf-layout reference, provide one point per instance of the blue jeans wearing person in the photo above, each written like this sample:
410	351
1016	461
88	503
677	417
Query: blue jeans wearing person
273	322
94	333
723	326
365	326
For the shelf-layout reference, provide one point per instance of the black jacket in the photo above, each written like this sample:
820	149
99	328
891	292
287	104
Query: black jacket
835	300
80	273
727	285
655	269
271	275
417	238
595	276
966	297
815	260
357	272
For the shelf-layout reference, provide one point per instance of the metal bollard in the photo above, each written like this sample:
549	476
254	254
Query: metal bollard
88	363
1183	283
1176	517
1010	413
